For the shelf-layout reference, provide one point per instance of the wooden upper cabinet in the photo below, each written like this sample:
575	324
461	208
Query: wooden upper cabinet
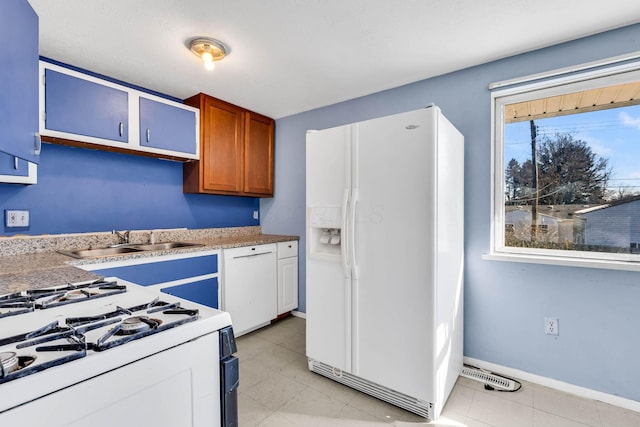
222	146
236	151
258	157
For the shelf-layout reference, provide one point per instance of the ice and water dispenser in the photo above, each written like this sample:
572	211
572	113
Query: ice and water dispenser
325	232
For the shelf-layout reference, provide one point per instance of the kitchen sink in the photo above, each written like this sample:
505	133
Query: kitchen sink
165	246
99	252
124	249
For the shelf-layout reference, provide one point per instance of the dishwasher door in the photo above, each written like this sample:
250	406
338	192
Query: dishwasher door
250	287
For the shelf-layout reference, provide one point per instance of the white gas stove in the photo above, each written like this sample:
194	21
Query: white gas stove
110	352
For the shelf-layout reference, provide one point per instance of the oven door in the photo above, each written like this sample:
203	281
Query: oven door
179	386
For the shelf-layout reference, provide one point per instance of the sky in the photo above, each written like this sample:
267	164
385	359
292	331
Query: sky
613	134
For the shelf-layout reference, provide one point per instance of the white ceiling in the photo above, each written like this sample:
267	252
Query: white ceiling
289	56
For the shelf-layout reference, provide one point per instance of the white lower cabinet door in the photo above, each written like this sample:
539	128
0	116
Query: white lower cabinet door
287	284
250	286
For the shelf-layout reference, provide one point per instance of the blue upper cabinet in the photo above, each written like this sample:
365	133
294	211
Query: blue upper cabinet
19	79
167	127
15	170
82	107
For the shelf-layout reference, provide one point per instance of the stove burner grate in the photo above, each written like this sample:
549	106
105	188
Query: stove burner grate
135	324
16	303
54	344
46	298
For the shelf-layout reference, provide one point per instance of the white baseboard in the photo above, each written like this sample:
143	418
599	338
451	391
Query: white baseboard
300	314
555	384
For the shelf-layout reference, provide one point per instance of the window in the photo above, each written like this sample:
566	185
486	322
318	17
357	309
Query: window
566	167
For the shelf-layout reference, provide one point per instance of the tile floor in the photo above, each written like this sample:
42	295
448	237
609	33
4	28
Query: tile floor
277	389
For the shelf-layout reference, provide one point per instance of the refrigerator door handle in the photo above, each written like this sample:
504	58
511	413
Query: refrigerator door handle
344	250
352	234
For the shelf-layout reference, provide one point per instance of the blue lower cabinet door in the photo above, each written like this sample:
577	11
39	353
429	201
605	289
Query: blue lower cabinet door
204	292
82	107
164	271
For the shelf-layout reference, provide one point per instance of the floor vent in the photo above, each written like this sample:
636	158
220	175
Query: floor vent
411	404
488	378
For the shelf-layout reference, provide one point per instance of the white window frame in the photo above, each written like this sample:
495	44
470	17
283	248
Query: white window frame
554	83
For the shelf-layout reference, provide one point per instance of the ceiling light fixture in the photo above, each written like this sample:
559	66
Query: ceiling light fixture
209	50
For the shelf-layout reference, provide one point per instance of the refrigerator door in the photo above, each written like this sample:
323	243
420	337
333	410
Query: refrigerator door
393	252
327	273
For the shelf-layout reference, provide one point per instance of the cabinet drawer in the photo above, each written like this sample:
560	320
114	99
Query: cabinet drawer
287	249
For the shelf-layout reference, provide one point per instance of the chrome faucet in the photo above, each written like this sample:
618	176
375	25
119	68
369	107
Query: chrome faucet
124	236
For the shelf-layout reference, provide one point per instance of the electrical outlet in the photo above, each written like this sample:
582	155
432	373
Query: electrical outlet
256	214
551	326
16	218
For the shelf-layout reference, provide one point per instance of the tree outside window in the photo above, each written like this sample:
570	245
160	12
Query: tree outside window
570	178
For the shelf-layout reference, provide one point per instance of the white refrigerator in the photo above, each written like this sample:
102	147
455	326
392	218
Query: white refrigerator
384	233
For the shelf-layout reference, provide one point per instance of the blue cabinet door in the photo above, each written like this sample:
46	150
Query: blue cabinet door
152	273
82	107
167	127
13	166
18	79
204	292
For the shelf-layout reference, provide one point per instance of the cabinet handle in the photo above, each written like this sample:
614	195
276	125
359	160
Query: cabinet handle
15	163
251	255
148	134
121	128
37	144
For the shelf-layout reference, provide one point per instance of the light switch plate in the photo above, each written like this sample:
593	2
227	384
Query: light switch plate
16	218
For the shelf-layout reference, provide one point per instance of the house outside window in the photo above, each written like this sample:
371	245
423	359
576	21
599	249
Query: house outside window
566	168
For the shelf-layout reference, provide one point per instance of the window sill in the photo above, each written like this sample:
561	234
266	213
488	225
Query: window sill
564	261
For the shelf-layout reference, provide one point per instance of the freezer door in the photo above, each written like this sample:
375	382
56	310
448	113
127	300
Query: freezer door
393	252
328	319
328	166
328	288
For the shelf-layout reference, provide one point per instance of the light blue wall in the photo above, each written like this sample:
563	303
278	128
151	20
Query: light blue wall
505	303
81	190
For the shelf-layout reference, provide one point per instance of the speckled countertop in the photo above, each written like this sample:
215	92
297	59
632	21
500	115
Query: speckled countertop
31	262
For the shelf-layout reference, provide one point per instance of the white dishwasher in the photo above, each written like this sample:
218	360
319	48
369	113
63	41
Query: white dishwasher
250	286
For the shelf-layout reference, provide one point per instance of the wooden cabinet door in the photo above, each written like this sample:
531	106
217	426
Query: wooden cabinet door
236	151
258	151
222	146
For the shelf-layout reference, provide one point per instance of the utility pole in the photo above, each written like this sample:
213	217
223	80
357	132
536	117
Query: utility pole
534	172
